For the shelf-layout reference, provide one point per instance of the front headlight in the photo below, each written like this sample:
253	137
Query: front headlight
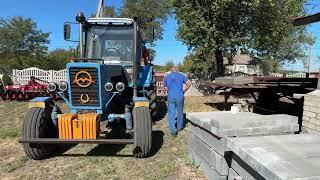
63	86
120	86
108	86
52	87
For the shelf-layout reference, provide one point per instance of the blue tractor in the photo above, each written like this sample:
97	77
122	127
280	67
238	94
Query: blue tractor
110	84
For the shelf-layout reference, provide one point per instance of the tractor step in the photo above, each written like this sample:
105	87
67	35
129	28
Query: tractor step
75	141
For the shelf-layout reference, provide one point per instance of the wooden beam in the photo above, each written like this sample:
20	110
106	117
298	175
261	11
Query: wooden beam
306	20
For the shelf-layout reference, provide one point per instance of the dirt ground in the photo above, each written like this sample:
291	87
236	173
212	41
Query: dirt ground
168	161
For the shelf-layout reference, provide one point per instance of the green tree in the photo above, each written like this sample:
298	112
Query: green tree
58	58
22	44
110	11
213	28
168	65
151	14
152	54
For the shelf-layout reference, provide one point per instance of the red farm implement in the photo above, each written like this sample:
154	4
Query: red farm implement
25	92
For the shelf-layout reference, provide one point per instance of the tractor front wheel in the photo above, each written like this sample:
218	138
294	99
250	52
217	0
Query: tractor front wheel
142	132
38	124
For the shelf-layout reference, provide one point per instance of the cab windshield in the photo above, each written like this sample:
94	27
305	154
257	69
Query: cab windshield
113	44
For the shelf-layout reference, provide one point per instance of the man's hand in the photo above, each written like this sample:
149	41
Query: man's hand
187	86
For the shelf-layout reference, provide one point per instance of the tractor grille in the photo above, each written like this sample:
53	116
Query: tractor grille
87	93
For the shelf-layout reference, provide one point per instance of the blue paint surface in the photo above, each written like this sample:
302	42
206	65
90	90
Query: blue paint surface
145	76
41	99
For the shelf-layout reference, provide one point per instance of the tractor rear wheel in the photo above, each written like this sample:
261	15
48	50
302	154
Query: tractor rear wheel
142	132
38	124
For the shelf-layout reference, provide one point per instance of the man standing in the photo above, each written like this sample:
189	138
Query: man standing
176	85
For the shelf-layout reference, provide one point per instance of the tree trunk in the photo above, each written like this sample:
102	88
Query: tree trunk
219	60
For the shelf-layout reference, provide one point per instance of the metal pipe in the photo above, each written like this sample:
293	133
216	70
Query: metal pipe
81	40
135	58
74	141
126	116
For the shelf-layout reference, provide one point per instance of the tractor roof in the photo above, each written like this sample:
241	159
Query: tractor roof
116	21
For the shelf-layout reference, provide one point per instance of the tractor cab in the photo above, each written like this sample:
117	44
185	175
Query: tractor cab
110	40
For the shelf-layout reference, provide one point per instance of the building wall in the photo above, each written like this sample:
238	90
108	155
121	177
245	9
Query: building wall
248	69
311	113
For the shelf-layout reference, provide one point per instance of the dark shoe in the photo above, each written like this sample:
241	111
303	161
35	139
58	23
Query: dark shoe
174	134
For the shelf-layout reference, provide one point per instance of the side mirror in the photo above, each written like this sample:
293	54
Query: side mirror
66	31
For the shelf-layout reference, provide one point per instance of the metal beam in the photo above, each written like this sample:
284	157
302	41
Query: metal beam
75	141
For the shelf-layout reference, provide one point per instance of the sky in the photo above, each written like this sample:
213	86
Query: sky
51	14
314	29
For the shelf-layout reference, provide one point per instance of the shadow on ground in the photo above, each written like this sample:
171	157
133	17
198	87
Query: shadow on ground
221	106
160	112
114	149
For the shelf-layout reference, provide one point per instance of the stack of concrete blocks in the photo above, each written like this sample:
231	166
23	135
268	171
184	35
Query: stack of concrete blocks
275	157
311	113
208	132
235	80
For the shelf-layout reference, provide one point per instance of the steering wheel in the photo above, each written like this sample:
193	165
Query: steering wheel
110	51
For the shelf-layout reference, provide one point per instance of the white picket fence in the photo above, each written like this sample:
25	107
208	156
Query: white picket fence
23	76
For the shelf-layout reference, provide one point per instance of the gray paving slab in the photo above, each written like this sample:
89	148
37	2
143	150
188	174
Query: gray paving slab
234	80
202	164
224	123
215	142
280	157
215	160
244	170
233	175
210	173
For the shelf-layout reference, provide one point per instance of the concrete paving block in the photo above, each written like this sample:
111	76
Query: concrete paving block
213	141
233	175
203	165
279	157
244	170
210	173
194	158
215	160
226	124
234	80
263	130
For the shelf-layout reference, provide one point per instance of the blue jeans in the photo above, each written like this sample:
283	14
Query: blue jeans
175	103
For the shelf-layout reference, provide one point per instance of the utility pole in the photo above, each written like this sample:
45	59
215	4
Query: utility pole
100	9
318	85
309	61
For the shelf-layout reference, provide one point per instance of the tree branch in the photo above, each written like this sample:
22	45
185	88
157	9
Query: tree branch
306	20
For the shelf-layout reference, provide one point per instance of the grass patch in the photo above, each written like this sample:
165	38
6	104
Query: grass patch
168	160
16	164
9	133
